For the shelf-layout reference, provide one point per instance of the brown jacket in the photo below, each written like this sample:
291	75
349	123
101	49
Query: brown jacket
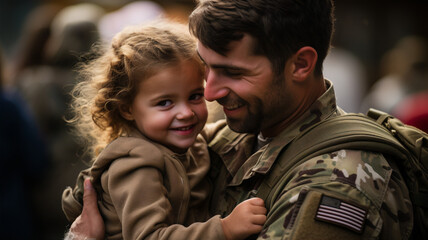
149	192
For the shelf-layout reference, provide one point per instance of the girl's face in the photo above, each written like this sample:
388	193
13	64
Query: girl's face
169	107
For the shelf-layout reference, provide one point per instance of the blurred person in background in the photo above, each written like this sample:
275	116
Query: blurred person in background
403	90
33	40
413	110
404	73
133	13
44	76
23	162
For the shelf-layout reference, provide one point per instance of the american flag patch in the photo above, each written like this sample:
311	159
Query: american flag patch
338	212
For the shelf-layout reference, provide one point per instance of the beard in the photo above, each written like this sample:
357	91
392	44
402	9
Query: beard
251	123
261	113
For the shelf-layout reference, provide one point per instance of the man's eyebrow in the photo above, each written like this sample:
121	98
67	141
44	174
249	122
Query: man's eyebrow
220	66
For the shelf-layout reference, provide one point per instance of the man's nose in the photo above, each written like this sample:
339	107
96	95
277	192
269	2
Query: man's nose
215	87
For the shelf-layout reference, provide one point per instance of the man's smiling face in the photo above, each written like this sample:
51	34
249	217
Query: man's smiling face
244	84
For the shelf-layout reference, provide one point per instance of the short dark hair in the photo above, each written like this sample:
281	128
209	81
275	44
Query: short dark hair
280	27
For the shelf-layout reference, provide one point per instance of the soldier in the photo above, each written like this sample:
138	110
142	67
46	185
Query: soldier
263	62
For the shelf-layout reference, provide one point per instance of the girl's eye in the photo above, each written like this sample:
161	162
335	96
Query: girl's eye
164	103
196	96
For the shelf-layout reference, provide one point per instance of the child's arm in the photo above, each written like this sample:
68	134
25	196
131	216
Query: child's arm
246	219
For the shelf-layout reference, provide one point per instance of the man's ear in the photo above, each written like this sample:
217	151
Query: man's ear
126	113
304	61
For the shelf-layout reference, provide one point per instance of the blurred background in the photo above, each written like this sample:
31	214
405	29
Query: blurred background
379	59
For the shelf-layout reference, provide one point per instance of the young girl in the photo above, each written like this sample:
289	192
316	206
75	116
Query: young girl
142	106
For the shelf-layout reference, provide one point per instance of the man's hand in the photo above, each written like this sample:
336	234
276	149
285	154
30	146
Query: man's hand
89	225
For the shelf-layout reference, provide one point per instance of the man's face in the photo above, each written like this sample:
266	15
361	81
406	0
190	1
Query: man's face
253	98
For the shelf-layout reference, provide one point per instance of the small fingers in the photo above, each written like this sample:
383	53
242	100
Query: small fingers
258	210
256	206
258	220
256	201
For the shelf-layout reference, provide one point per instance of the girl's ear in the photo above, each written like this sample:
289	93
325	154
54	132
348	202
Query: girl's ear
126	113
304	61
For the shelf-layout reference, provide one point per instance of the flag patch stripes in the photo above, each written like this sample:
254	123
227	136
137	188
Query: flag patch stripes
338	212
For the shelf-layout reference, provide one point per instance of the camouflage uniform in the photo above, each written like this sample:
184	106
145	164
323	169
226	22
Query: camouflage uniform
366	181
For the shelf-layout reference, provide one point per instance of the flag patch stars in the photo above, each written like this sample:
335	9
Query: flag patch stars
338	212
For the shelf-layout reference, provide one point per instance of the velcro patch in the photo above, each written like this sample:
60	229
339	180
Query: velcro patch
338	212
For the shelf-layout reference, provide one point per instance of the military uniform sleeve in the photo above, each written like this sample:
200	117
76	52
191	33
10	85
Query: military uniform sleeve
342	195
136	188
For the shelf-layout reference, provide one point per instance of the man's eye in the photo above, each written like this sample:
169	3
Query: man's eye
164	103
232	73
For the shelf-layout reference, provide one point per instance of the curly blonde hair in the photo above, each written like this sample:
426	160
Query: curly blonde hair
109	83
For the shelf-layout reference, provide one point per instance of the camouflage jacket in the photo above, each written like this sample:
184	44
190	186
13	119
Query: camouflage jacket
346	194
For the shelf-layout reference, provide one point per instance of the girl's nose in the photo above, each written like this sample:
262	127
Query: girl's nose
185	112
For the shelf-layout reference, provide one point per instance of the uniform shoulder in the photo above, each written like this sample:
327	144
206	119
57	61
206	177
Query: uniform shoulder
325	190
368	172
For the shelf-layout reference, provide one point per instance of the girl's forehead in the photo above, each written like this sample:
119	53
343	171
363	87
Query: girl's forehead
147	70
180	76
